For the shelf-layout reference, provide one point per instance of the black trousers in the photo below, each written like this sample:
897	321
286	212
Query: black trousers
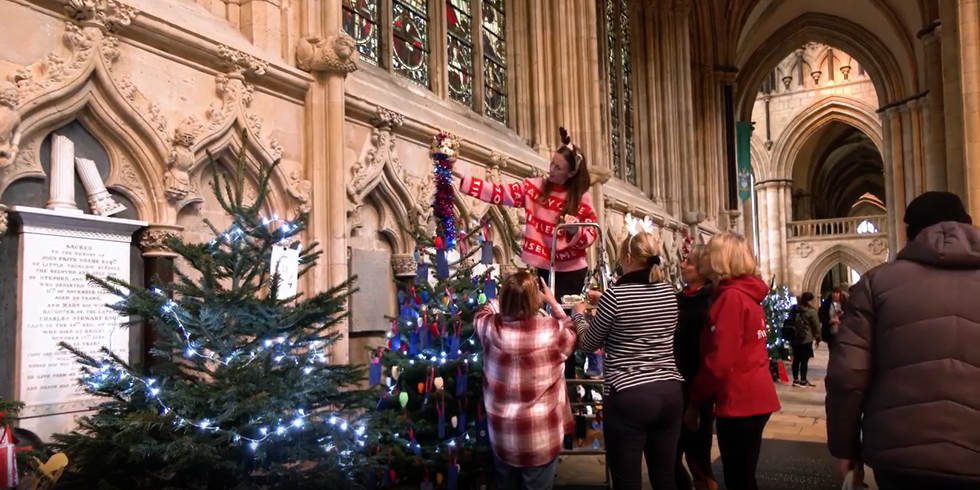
801	360
740	441
695	447
893	480
570	282
644	420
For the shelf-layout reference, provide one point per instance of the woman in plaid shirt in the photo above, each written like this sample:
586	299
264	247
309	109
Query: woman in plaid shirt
523	383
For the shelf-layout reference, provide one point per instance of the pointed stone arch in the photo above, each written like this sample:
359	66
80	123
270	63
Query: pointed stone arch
834	108
840	253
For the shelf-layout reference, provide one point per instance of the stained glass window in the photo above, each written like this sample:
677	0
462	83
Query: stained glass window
619	74
361	23
410	40
460	51
494	60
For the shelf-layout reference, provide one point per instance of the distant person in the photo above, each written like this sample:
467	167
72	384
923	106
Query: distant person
904	368
803	332
830	314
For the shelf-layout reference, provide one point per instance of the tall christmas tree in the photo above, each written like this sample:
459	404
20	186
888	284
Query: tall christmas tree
430	426
776	306
242	393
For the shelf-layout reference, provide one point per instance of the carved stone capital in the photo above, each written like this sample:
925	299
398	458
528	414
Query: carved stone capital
240	64
600	175
498	160
386	119
151	240
404	265
334	54
3	220
694	218
107	15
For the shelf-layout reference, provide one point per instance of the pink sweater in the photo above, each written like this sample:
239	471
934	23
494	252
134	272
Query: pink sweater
541	220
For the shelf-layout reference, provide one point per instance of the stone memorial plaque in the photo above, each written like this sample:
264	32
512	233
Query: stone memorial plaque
369	305
56	303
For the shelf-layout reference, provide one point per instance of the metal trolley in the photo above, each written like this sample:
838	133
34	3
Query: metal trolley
600	268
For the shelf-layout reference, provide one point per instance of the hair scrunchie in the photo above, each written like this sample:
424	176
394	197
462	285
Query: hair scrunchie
653	261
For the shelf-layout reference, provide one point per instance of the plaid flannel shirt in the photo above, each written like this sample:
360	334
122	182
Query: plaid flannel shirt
524	385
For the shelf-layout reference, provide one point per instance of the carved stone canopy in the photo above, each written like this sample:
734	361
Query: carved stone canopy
108	15
151	240
404	265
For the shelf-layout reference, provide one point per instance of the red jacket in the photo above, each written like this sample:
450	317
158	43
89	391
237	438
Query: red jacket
735	363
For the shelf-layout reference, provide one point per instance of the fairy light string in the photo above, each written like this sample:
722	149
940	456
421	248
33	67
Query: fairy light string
110	371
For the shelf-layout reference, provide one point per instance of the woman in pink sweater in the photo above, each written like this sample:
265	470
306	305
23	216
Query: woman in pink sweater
560	197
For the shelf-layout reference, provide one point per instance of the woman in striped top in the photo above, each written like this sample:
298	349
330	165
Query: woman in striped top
634	325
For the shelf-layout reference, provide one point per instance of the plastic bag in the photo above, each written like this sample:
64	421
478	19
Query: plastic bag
849	482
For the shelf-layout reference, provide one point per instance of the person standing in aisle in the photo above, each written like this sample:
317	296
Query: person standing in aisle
694	303
634	325
560	197
735	367
523	387
806	328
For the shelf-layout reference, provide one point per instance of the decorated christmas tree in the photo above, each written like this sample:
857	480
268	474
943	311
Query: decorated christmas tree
242	393
430	424
776	306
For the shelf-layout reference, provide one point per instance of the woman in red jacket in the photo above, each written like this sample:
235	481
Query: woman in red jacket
735	362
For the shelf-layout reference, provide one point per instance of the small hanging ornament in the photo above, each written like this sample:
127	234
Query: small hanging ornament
438	478
438	383
482	298
454	421
421	387
394	372
403	399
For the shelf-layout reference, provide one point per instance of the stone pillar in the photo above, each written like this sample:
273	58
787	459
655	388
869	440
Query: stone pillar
261	22
656	109
897	163
158	270
774	225
784	192
762	229
952	97
969	30
891	198
99	199
935	118
61	178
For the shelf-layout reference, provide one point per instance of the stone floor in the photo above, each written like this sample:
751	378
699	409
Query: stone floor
794	454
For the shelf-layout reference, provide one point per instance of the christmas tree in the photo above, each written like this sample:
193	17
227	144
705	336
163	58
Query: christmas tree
241	393
430	415
776	306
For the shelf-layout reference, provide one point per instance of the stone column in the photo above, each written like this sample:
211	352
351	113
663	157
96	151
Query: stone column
897	164
952	97
935	118
61	178
762	228
158	270
891	204
99	199
969	26
655	112
784	194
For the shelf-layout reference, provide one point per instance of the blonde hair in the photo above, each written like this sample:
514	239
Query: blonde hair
727	255
520	296
643	247
696	257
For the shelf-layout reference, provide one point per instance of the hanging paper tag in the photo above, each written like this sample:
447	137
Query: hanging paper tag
461	422
454	347
285	262
413	343
386	478
441	425
490	288
451	477
416	448
396	341
421	273
425	337
461	384
486	252
442	265
482	434
372	479
374	372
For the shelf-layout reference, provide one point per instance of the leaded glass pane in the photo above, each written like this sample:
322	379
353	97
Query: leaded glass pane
361	23
494	60
624	53
460	47
410	29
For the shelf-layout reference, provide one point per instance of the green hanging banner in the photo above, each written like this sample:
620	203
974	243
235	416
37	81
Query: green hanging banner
743	155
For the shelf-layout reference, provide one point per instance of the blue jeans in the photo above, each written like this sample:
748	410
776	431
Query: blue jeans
531	478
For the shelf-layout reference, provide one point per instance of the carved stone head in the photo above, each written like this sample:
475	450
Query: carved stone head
186	133
344	46
9	96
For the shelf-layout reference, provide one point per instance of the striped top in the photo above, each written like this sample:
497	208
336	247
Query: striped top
634	326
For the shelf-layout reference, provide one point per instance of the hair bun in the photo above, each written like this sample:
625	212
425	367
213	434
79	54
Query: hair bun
565	138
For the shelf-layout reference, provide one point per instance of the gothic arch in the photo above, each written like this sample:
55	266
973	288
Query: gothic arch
834	108
134	149
892	80
844	254
225	151
758	156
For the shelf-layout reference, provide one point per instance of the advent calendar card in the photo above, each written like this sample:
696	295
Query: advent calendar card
285	261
